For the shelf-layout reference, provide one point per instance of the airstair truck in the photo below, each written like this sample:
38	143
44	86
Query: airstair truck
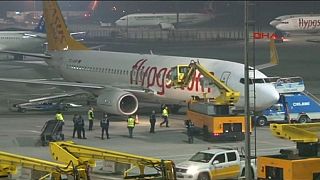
301	163
210	115
295	104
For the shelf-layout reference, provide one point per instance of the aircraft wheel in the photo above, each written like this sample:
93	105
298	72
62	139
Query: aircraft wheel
304	119
262	121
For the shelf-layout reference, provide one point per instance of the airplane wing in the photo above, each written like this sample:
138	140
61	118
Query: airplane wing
274	59
55	83
132	89
38	55
28	35
54	97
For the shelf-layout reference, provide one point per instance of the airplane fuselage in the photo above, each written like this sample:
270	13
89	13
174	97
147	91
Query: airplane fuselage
278	19
167	18
152	71
307	24
19	41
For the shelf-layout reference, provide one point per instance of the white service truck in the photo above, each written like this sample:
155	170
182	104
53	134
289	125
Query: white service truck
214	164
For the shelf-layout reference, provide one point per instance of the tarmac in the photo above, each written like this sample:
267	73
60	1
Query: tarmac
20	132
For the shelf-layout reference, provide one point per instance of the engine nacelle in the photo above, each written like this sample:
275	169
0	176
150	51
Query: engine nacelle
118	102
166	26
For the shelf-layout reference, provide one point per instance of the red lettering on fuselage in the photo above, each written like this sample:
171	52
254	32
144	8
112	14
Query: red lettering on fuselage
150	76
308	24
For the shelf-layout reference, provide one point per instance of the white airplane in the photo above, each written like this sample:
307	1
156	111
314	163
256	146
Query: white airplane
29	41
166	21
303	24
26	40
121	80
278	19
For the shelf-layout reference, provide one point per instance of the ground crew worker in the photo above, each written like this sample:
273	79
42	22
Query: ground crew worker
190	130
80	122
104	124
131	124
152	121
59	118
90	118
75	125
165	115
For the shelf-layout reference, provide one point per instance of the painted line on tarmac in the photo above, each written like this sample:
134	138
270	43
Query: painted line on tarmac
38	132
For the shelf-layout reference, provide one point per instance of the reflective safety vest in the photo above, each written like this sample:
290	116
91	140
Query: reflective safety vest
165	112
131	122
59	117
90	115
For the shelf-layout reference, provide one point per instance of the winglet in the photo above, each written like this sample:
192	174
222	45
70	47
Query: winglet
274	59
58	35
40	27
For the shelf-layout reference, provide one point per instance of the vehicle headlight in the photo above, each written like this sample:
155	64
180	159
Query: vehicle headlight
192	170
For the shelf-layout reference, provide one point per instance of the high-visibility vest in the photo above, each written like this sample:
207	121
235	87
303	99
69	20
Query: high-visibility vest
130	122
165	112
59	117
89	115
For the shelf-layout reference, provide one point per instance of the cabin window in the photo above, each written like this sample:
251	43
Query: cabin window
231	156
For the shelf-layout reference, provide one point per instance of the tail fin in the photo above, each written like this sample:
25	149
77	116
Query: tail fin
40	27
274	59
58	35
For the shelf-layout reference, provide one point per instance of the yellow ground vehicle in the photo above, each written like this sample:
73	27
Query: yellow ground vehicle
79	155
77	160
9	163
298	164
211	115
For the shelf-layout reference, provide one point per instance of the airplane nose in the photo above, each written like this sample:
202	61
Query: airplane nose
268	97
281	27
273	23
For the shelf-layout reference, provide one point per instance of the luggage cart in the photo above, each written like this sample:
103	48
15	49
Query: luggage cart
51	131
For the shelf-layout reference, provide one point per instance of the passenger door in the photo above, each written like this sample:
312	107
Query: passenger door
232	165
218	164
225	77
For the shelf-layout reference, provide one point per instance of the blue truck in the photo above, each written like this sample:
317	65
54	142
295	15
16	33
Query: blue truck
295	104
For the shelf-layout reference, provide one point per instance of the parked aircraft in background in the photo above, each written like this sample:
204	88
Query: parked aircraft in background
29	41
102	24
120	80
297	23
278	19
303	24
166	21
26	40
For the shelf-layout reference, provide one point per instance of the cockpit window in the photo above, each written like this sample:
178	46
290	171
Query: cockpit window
258	81
251	81
123	19
242	81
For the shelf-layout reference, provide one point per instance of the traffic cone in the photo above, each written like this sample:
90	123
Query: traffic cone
137	119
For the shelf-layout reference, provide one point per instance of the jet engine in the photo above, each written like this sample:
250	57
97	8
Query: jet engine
118	102
166	26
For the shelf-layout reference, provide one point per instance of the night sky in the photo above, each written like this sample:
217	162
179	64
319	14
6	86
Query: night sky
231	11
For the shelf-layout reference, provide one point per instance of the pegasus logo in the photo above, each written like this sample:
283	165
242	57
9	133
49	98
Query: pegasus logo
151	76
308	24
57	29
